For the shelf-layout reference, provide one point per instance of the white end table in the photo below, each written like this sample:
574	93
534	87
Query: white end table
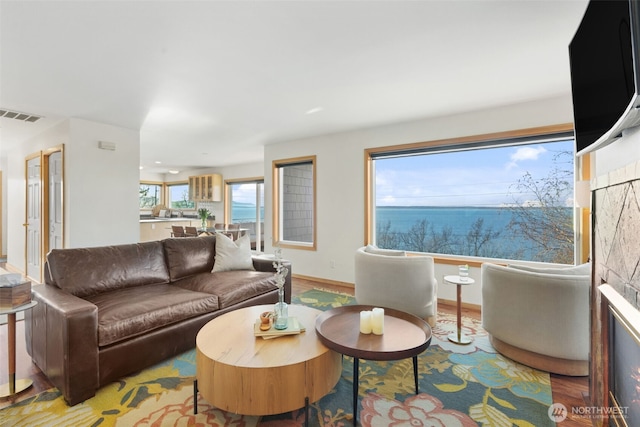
13	386
458	337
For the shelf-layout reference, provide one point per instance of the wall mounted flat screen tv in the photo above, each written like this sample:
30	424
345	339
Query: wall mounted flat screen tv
605	67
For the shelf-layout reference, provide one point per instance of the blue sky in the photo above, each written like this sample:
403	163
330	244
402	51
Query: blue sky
245	193
484	177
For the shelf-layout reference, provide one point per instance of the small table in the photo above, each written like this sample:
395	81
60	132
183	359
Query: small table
405	335
458	337
244	374
13	386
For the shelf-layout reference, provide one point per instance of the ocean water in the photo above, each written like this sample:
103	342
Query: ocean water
245	212
460	221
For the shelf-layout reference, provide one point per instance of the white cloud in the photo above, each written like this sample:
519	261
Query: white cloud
525	153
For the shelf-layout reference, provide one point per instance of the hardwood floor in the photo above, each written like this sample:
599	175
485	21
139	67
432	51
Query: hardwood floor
569	391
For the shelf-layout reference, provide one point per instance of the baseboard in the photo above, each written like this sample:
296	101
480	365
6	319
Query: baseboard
13	269
447	302
463	305
326	281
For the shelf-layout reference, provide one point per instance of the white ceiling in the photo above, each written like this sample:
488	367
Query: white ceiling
227	77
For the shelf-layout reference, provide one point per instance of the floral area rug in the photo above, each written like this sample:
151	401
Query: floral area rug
459	386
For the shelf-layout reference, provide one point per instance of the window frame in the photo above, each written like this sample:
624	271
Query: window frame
228	199
228	205
277	200
162	193
581	168
167	187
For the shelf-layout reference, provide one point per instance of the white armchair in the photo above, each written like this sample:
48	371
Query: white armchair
539	316
386	278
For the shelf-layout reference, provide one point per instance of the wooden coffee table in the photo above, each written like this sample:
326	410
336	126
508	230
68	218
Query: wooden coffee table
244	374
405	335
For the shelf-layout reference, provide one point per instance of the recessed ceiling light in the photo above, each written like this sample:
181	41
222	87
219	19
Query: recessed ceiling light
174	172
158	162
314	110
141	167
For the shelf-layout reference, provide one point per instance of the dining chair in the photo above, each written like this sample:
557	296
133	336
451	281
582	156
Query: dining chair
191	231
177	231
234	230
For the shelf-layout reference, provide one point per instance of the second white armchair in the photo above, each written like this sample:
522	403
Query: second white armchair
539	316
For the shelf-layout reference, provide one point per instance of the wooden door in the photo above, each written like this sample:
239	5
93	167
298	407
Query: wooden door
33	247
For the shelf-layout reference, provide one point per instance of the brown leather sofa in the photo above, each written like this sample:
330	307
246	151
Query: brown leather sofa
107	312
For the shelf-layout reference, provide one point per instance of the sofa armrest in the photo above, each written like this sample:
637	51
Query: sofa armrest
62	339
266	265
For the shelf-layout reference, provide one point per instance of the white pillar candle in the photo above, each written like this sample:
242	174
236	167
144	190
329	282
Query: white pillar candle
365	322
377	321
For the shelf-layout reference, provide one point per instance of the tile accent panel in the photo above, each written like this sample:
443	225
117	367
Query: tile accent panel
615	259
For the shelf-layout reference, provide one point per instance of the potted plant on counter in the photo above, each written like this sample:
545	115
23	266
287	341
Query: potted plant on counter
204	215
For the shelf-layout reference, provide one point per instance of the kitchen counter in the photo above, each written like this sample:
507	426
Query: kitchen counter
160	228
172	219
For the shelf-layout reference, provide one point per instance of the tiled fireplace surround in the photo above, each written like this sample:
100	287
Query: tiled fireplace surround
615	259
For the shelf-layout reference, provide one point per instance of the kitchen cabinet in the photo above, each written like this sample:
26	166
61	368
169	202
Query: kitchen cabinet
205	188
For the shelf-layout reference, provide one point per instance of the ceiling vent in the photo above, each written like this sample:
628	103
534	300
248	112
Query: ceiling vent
8	114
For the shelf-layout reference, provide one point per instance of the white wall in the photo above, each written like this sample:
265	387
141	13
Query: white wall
340	181
100	187
15	199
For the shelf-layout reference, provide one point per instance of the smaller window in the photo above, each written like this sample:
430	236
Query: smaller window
294	204
179	196
150	195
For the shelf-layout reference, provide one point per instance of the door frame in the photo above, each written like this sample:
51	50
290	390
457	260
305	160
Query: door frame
27	159
44	205
45	198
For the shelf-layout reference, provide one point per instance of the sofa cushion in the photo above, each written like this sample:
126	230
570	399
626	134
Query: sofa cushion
189	256
231	287
89	271
130	312
232	255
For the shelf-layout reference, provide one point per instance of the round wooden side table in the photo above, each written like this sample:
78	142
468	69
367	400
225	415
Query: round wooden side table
458	337
405	335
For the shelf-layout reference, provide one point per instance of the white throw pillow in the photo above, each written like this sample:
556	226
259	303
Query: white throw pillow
232	255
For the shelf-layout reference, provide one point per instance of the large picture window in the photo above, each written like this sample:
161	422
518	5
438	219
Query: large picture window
294	219
505	198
